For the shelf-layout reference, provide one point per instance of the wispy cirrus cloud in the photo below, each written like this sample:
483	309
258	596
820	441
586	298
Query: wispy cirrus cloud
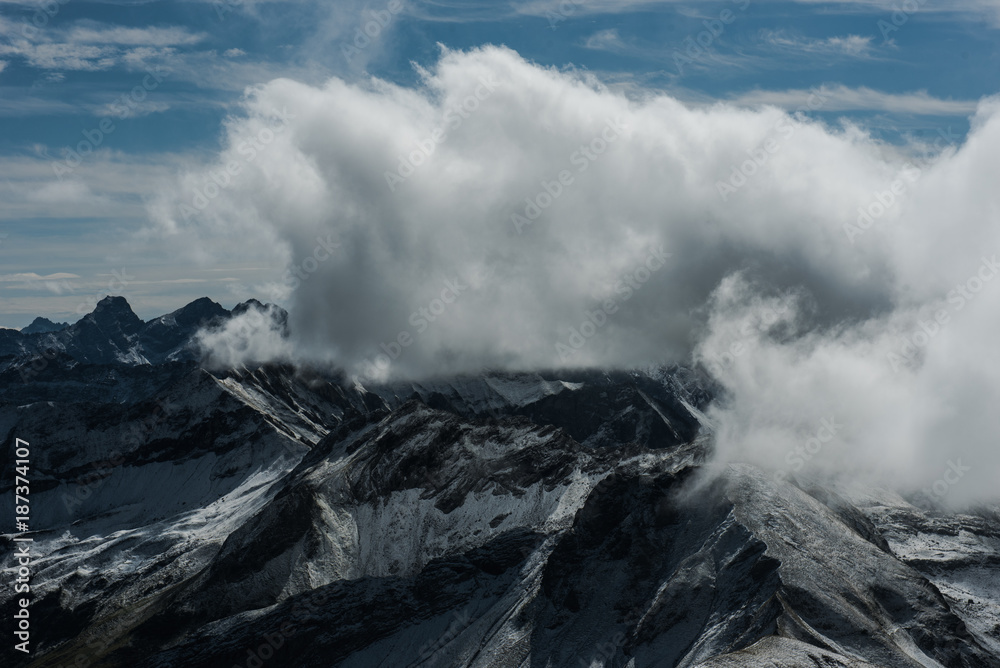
672	57
546	7
849	46
92	32
31	276
93	46
109	190
606	40
58	283
470	10
844	98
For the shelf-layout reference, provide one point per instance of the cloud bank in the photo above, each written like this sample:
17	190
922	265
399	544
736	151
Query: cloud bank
501	214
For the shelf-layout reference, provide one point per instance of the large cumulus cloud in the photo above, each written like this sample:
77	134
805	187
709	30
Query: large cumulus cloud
502	214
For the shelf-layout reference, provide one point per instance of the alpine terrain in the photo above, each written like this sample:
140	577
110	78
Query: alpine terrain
269	515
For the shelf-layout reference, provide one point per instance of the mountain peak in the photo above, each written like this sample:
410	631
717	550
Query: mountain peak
243	307
115	310
198	312
44	325
114	302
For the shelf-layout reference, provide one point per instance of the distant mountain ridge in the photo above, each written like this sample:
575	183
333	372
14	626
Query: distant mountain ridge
42	325
114	334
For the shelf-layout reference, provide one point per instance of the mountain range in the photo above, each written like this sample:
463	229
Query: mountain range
272	515
113	333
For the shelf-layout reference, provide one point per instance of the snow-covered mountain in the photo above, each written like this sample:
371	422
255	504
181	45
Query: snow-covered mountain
275	516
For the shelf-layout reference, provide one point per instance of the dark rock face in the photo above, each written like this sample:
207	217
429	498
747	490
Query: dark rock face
273	516
114	335
43	325
104	336
168	336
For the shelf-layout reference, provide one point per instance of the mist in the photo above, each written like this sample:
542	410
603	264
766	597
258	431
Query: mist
503	215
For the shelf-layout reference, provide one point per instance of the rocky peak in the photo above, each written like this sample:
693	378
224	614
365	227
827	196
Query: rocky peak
43	326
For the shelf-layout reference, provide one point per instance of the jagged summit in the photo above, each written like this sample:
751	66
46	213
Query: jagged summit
113	334
113	305
112	314
43	325
243	307
199	310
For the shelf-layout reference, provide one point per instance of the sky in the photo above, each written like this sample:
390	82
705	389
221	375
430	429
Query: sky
147	90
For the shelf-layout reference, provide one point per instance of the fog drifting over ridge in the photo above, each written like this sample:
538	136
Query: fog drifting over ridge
506	215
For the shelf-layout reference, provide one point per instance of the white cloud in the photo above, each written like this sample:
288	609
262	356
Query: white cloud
853	46
97	33
62	56
134	110
844	98
65	192
106	185
606	40
31	276
253	336
92	46
960	9
399	271
57	284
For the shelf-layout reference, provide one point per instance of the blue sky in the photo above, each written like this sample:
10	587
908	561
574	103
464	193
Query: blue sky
70	232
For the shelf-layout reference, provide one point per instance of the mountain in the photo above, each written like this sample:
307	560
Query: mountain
168	336
42	325
280	516
114	334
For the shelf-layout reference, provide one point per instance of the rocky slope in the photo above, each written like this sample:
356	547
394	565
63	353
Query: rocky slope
271	516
